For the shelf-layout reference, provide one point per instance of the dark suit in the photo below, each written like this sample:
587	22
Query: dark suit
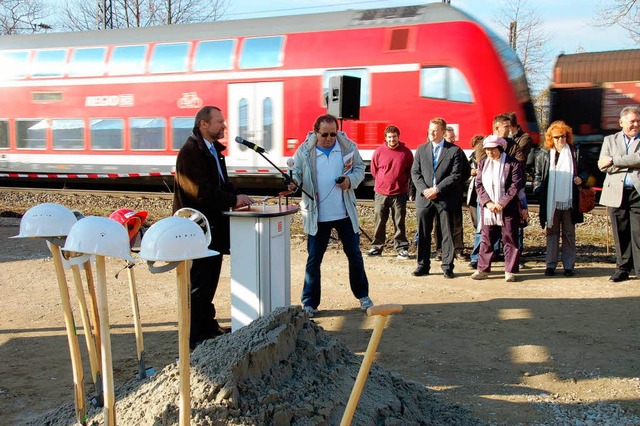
447	173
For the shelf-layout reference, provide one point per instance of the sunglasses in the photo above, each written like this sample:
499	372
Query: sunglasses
332	134
560	137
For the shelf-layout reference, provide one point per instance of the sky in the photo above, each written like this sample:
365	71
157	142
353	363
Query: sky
569	23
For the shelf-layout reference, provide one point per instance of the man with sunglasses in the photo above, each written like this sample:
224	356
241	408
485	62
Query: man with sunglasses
328	166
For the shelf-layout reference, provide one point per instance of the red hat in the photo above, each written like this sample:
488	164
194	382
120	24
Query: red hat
131	220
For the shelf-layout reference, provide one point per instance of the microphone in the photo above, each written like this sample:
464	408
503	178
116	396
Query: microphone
250	145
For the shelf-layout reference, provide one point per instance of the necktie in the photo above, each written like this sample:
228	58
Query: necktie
435	161
215	155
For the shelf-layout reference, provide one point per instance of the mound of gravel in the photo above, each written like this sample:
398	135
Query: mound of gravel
281	369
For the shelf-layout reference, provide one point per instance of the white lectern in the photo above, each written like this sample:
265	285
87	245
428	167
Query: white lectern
260	261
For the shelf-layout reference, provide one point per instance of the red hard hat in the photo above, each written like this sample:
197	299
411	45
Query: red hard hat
131	219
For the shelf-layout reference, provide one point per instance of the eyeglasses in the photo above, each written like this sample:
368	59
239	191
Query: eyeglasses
332	134
560	137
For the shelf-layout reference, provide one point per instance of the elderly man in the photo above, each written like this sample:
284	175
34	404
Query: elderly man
620	160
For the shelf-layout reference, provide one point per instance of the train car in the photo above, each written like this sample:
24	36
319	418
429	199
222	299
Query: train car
122	102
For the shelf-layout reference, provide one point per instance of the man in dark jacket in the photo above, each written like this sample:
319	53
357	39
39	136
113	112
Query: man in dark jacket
201	183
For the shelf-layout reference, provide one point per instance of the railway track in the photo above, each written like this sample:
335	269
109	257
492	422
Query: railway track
156	195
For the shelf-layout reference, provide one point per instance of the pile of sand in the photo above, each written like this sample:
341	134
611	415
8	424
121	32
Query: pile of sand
281	369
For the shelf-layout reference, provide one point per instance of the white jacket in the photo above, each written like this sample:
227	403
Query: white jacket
304	172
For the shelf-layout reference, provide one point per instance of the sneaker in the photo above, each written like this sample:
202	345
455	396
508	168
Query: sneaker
310	311
374	252
479	275
403	254
365	303
509	277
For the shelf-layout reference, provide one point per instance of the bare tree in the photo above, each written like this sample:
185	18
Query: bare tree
624	13
81	15
22	16
528	38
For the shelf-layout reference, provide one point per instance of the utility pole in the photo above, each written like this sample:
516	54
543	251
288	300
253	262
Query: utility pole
513	31
107	14
446	1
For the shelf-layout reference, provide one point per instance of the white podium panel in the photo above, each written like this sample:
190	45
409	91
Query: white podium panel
260	261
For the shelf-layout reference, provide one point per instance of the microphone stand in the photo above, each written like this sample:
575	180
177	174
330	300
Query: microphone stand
287	178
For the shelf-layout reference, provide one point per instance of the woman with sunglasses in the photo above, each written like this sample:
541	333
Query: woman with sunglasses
556	183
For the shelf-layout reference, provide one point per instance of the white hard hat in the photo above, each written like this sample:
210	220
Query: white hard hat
99	235
197	217
174	239
46	220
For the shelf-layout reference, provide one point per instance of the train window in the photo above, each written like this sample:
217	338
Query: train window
127	60
181	128
399	39
31	134
106	133
444	83
147	133
262	52
14	64
214	55
170	57
49	63
87	62
243	121
67	134
4	134
362	74
267	123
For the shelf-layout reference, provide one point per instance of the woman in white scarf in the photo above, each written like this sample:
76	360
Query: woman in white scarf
498	182
557	182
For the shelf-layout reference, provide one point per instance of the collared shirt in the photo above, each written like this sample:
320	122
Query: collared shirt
213	151
437	149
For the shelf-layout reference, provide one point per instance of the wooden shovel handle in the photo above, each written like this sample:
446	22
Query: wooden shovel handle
384	310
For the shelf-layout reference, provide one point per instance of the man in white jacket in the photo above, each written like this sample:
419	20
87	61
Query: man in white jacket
328	166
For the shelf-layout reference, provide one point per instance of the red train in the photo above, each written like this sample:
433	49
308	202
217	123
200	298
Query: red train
122	102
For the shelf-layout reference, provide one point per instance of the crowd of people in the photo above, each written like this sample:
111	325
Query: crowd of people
328	167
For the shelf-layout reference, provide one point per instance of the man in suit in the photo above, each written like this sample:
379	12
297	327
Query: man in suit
620	160
436	171
202	183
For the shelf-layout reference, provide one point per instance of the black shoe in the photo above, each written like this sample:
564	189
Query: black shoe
619	276
461	256
569	273
211	333
549	272
438	257
448	273
473	264
420	271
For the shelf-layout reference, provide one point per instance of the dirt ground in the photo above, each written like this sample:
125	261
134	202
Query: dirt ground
512	353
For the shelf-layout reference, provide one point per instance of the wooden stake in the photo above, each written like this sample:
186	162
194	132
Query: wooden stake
184	329
381	312
142	371
105	337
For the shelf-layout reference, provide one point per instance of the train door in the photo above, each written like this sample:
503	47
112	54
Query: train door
255	113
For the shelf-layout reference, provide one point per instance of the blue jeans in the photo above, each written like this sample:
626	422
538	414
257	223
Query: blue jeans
317	246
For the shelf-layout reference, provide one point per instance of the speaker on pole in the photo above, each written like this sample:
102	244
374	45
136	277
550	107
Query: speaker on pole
344	97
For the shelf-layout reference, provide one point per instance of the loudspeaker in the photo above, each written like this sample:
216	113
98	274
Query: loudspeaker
344	97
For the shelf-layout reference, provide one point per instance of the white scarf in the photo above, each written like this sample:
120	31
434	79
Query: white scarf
560	189
493	183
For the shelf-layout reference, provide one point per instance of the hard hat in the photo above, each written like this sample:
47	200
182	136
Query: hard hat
46	220
98	235
174	239
197	217
131	220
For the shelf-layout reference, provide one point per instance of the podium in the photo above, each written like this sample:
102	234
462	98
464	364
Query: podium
260	261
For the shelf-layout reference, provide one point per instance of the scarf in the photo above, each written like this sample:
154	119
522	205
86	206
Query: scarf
493	183
560	189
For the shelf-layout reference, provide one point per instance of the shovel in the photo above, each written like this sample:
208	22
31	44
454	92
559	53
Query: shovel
109	409
72	337
381	312
184	330
92	349
142	371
